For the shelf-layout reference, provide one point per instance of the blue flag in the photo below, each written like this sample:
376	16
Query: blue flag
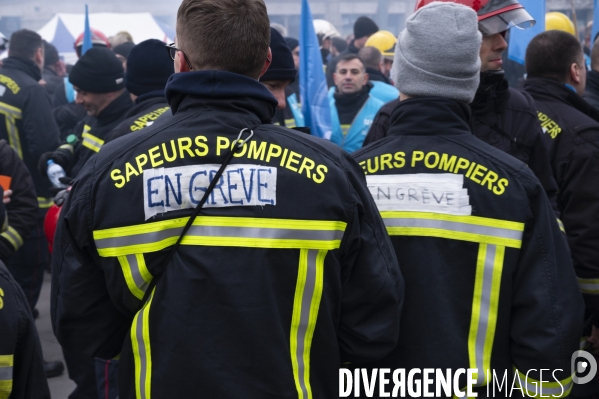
87	35
595	22
519	38
313	85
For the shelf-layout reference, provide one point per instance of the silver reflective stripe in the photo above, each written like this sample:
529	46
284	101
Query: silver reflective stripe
305	318
454	226
92	143
11	114
589	285
142	351
219	231
485	309
535	389
136	273
6	373
13	237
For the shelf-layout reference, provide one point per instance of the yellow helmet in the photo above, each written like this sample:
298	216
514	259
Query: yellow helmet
384	41
558	21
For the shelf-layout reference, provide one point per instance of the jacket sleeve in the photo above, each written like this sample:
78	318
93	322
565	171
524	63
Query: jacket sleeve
84	319
41	131
28	376
373	287
547	311
540	164
22	211
579	199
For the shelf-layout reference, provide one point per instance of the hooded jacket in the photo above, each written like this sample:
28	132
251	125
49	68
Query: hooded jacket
489	281
27	123
285	274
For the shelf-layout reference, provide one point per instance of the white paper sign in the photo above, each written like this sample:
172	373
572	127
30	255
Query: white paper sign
423	192
171	189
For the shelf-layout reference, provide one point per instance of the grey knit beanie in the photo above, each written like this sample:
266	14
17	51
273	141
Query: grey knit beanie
437	54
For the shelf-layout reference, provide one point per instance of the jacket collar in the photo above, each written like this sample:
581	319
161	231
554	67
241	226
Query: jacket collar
145	104
430	116
24	65
222	89
551	89
115	109
492	93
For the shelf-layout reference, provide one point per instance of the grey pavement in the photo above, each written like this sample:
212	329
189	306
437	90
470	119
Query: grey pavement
60	387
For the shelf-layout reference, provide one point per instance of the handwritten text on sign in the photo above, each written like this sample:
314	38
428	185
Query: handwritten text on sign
423	192
170	189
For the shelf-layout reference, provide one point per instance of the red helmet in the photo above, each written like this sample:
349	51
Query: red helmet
494	16
50	223
99	39
53	215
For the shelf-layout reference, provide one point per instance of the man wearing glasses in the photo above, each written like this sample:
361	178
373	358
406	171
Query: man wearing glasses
285	273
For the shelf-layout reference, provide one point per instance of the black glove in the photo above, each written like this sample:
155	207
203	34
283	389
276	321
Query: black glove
42	165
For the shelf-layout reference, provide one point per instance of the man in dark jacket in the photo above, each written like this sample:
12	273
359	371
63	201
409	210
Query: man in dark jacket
98	79
29	128
490	285
364	27
278	78
556	80
262	299
54	69
501	116
21	365
22	209
591	91
148	70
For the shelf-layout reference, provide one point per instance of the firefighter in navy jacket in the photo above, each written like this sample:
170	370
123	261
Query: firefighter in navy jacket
287	271
489	282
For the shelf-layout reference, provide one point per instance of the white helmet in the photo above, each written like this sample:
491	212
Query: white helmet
325	29
3	42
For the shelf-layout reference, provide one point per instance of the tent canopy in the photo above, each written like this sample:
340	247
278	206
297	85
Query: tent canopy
63	29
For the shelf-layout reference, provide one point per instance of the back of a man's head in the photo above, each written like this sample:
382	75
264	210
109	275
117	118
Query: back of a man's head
371	57
551	55
226	35
24	43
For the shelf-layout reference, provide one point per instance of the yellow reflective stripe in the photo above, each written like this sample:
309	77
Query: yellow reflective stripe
221	231
466	228
92	142
306	304
142	354
44	203
561	226
136	273
13	236
6	374
11	114
67	147
290	122
485	305
588	285
538	389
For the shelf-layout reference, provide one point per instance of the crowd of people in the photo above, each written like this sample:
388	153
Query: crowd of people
202	243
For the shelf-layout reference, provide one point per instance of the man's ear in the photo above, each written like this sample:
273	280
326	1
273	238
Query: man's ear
366	77
181	63
39	57
575	73
267	63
